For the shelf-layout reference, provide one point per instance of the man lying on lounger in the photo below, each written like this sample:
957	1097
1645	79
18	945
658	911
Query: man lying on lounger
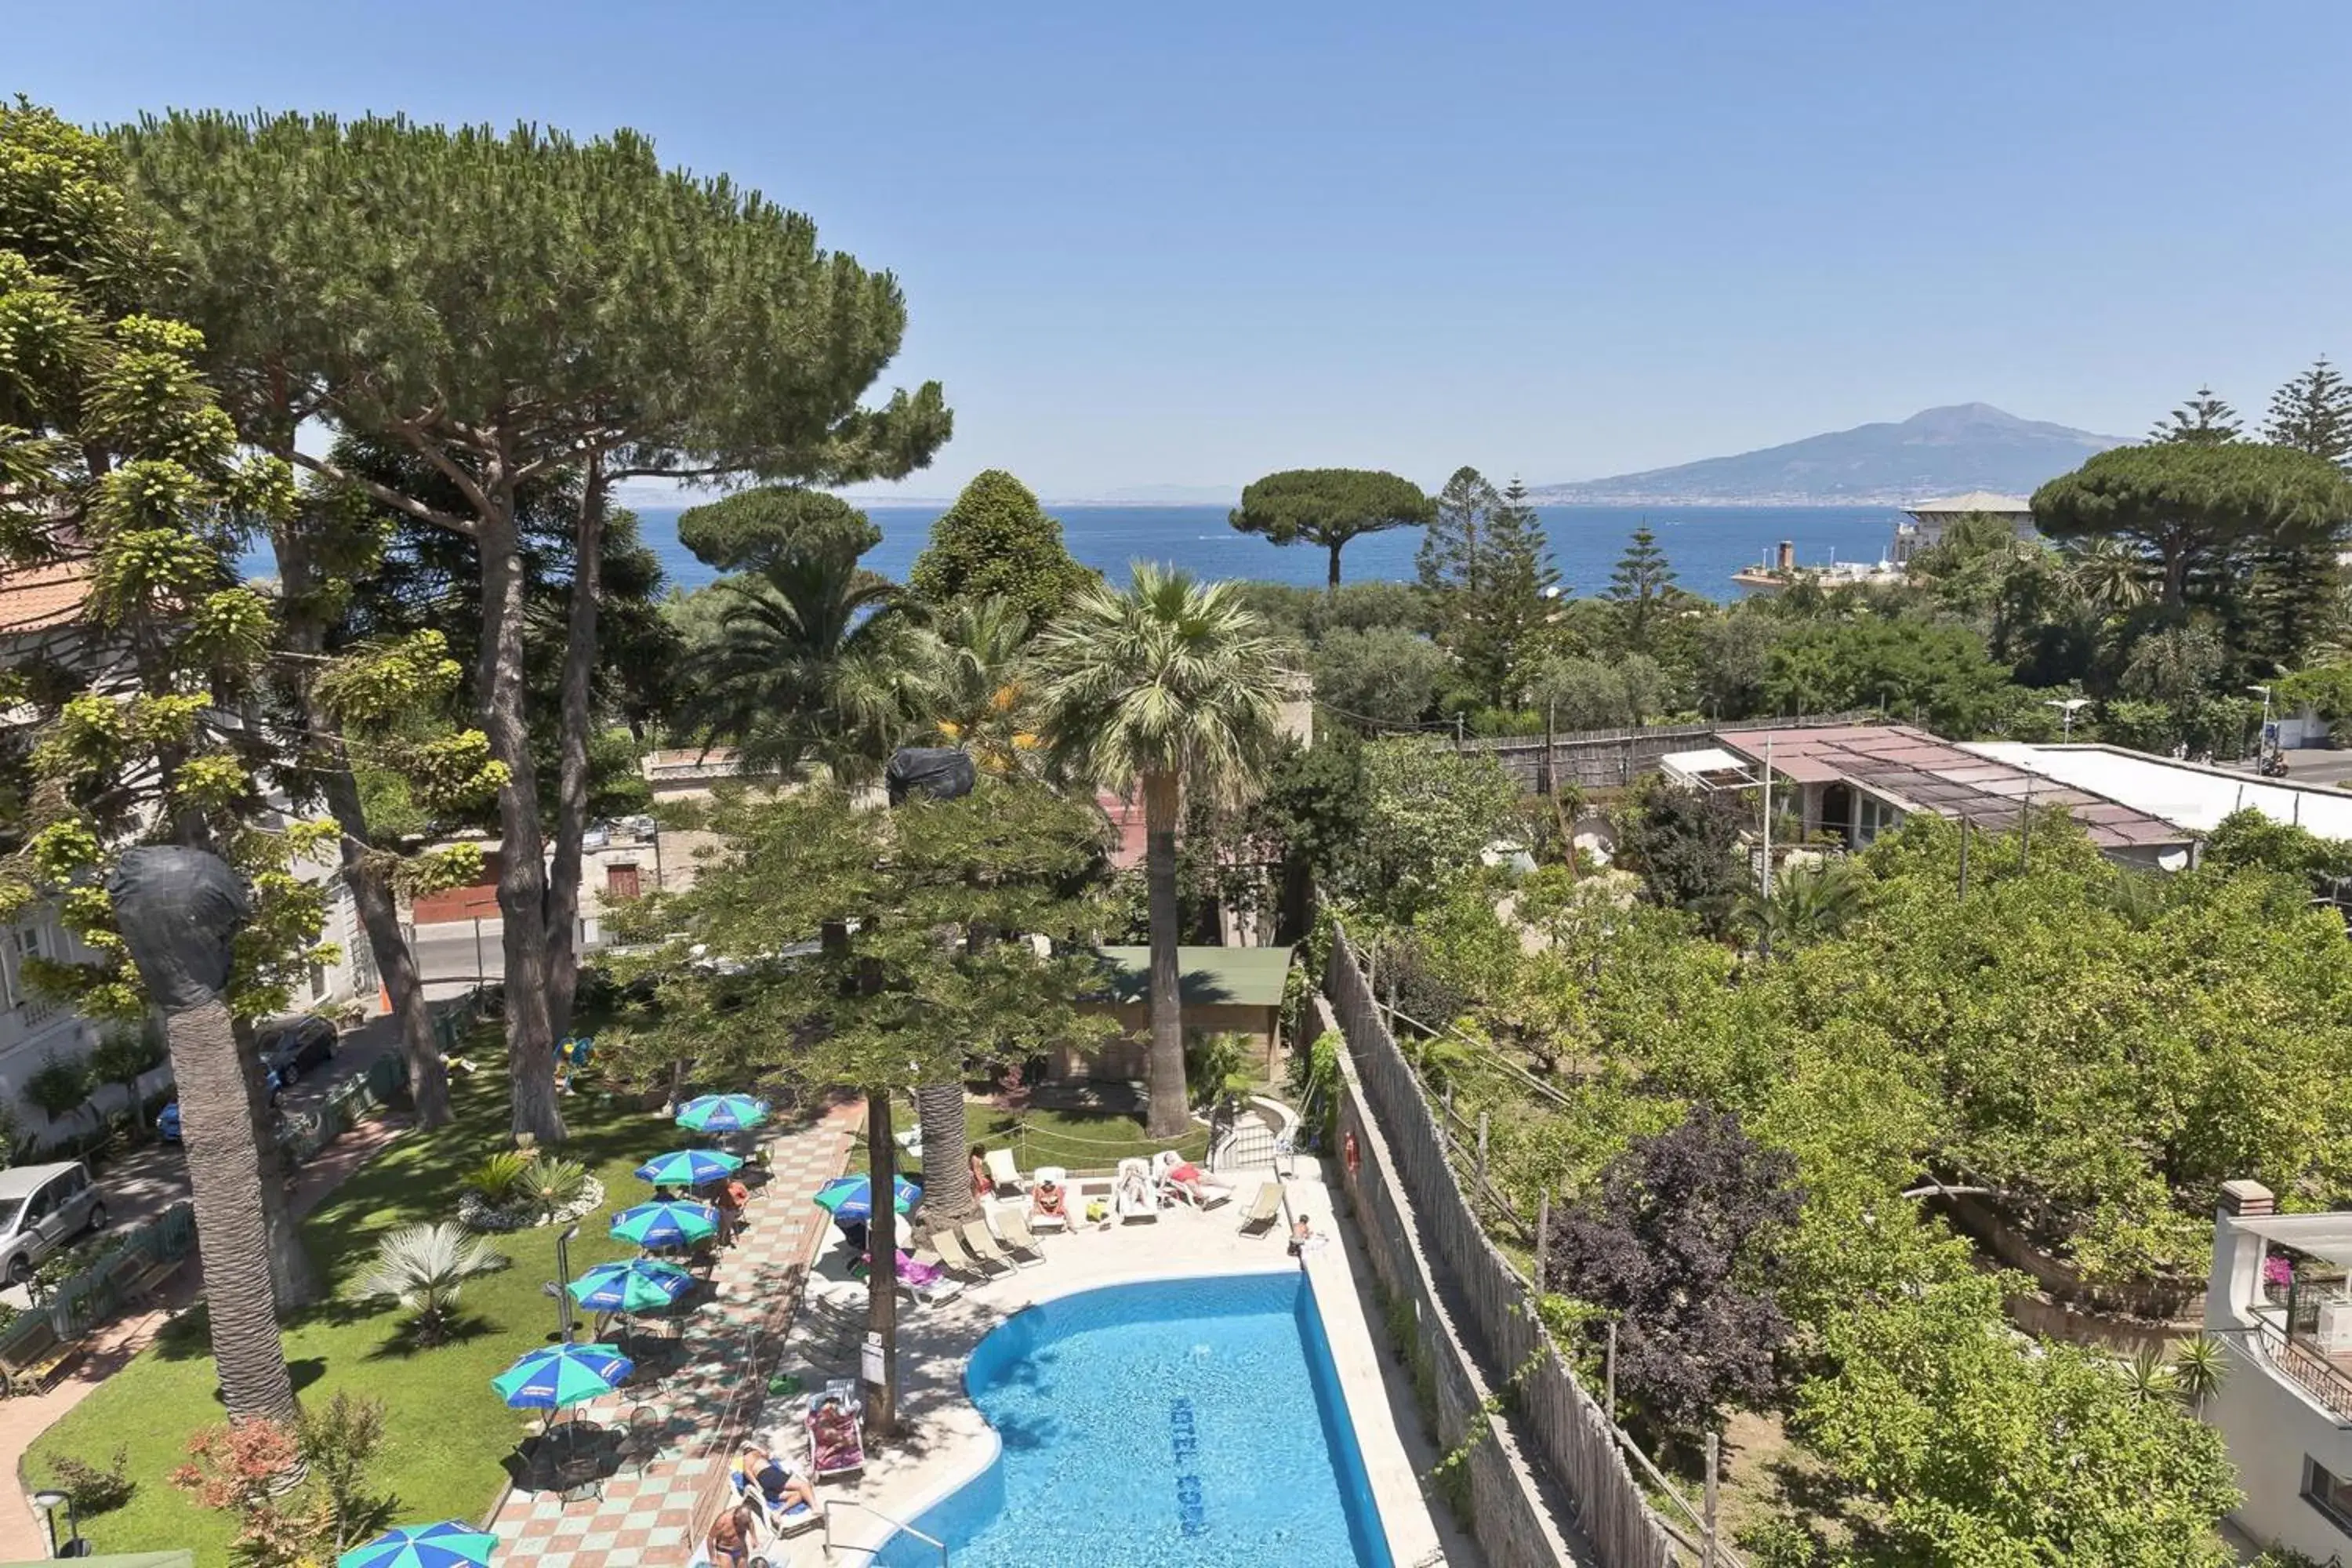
779	1489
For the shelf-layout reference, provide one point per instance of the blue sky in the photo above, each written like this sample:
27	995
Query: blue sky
1188	244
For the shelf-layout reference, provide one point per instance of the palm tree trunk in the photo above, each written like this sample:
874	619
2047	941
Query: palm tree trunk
293	1282
232	1224
882	1276
946	1155
1170	1109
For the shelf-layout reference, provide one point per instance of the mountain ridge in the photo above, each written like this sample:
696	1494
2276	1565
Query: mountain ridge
1938	451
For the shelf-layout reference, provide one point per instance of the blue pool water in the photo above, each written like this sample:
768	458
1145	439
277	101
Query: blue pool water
1175	1424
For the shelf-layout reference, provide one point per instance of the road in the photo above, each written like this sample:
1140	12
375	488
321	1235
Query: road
454	955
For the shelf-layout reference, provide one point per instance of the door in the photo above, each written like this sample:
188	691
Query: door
620	883
43	1225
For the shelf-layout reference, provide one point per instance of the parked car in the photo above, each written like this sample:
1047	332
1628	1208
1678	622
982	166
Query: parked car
167	1121
43	1208
292	1049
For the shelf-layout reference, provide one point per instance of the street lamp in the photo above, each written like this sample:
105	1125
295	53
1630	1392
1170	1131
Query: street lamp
2067	708
48	1503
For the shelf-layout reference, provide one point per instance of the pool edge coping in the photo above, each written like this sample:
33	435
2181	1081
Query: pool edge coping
941	1491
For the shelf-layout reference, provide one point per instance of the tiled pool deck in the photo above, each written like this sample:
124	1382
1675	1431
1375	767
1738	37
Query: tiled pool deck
944	1440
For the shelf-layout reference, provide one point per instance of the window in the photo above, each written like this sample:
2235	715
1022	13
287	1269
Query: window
620	882
2329	1493
17	945
1872	817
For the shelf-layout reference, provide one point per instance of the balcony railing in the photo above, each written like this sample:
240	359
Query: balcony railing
2301	1362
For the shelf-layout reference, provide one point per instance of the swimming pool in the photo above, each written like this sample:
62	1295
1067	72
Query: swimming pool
1173	1423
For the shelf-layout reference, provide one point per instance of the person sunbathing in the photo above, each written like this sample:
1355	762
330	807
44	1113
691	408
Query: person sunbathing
1190	1180
1047	1202
983	1185
783	1489
833	1434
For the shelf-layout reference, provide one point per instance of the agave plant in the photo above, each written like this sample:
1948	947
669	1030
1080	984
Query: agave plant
552	1183
422	1266
2149	1378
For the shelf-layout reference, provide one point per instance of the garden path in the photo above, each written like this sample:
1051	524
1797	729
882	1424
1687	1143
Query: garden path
651	1512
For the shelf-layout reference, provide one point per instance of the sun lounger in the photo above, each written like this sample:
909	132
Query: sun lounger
1200	1194
956	1257
981	1243
1004	1173
1265	1209
1014	1232
1134	1196
836	1438
1060	1180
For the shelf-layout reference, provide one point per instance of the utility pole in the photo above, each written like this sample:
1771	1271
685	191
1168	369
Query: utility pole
1768	815
2025	829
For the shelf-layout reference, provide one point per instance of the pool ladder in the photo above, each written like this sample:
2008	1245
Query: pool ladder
898	1524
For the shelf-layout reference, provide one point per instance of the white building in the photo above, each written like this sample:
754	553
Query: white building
2277	1298
40	617
1929	519
2191	797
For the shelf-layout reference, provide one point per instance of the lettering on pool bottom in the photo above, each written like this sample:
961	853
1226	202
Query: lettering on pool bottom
1184	1439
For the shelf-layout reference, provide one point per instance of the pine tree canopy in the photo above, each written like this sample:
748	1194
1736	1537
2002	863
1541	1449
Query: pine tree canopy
1328	506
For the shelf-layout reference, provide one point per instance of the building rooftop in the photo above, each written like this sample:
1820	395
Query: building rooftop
2190	795
1980	501
1207	976
42	598
1919	772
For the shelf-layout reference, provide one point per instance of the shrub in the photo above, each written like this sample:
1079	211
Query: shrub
553	1183
338	1441
423	1267
60	1085
1216	1065
124	1054
91	1490
498	1177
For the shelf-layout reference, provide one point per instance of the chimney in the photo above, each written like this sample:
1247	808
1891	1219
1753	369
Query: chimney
1788	556
2247	1200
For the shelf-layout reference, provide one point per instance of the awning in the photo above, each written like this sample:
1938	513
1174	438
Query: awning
2327	1235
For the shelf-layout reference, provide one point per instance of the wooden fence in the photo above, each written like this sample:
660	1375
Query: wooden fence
1562	1431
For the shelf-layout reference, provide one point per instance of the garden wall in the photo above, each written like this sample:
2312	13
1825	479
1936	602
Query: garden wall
1547	1470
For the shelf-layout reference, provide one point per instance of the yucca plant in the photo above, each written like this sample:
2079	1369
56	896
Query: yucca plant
2199	1366
552	1183
497	1177
422	1266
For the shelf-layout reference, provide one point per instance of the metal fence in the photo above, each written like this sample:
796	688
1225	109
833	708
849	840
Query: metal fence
78	1303
1562	1428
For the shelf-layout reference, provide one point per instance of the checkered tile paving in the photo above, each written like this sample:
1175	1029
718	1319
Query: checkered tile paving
648	1510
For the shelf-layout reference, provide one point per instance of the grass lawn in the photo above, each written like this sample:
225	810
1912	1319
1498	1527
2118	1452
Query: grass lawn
1075	1140
445	1432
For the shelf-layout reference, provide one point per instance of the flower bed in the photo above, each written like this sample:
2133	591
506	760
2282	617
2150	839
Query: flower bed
477	1213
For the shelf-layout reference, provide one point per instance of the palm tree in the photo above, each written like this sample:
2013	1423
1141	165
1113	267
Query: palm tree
2108	573
1808	903
983	694
422	1266
815	664
1173	685
178	910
